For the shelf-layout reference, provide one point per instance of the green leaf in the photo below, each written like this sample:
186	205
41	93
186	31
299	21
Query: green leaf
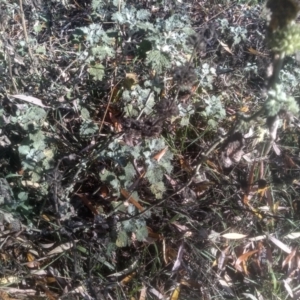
129	171
37	27
141	233
24	149
35	155
155	144
102	52
107	176
36	174
38	140
28	164
166	164
48	158
143	14
23	196
118	17
139	98
128	225
154	173
158	60
115	184
32	118
41	50
88	128
97	71
158	189
110	249
185	121
85	115
122	239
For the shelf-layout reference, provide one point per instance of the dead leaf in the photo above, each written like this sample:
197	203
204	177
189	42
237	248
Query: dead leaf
32	263
232	149
178	260
31	100
157	294
130	80
275	208
172	182
242	259
45	218
9	280
153	235
115	122
131	200
257	238
170	254
293	235
50	279
288	288
39	272
104	191
276	149
180	227
255	52
175	293
190	283
226	47
160	154
201	187
289	161
244	109
255	211
269	197
5	296
185	165
128	278
290	259
213	165
50	295
30	293
31	184
225	285
280	244
61	248
143	293
233	236
273	123
30	257
46	246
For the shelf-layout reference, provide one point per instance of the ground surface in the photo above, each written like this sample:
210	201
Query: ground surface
126	172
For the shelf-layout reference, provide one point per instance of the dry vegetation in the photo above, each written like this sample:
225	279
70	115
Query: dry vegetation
149	149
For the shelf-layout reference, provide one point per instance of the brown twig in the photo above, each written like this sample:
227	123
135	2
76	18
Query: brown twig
108	104
25	30
10	73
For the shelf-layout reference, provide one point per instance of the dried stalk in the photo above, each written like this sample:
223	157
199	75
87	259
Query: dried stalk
25	30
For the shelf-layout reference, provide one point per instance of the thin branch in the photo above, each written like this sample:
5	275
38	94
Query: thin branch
10	73
25	30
